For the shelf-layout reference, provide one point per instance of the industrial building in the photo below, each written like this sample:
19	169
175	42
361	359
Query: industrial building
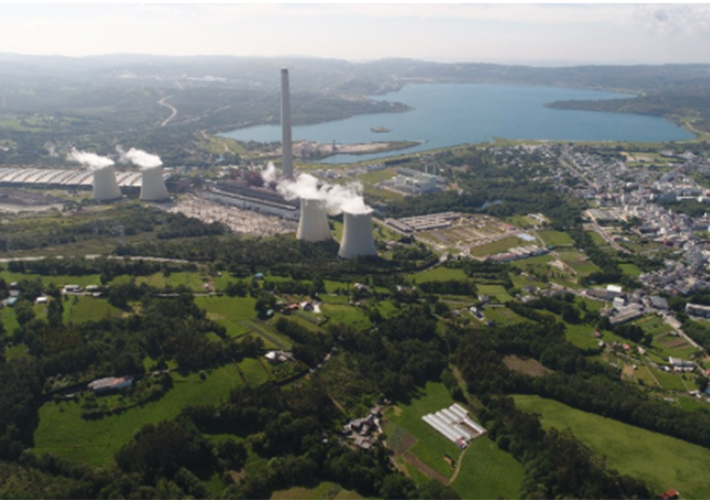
53	178
357	236
259	200
423	222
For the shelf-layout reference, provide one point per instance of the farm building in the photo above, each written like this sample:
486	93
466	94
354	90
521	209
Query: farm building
110	384
455	424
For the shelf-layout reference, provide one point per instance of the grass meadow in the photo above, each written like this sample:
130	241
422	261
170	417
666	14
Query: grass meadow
63	432
661	461
229	312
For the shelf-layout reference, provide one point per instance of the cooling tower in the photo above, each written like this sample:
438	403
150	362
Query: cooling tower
153	185
286	142
105	185
313	225
357	236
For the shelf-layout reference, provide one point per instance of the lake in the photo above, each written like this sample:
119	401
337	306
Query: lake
447	115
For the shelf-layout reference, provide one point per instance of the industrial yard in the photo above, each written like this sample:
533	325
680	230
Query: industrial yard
238	220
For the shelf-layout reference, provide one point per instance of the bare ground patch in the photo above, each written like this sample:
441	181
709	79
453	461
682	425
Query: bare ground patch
413	460
526	366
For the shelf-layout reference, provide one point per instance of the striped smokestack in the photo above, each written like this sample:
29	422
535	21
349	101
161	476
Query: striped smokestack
286	142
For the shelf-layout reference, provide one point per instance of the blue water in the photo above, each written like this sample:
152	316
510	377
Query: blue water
450	114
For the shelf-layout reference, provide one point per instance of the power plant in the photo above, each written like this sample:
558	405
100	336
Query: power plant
286	141
105	185
153	185
313	224
357	236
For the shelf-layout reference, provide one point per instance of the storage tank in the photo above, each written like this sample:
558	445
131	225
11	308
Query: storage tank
105	185
357	236
153	185
313	225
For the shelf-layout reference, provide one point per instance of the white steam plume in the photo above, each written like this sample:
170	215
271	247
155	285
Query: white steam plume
338	198
269	175
140	158
91	160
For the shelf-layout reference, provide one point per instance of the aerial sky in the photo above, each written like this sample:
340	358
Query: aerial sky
535	34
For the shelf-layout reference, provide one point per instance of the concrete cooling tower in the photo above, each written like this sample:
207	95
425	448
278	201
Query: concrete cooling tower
105	185
153	185
357	236
313	225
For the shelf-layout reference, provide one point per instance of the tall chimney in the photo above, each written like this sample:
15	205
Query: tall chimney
286	142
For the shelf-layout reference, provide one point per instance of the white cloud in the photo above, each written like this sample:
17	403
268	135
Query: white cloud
671	20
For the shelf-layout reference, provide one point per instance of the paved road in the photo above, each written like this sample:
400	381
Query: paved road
172	108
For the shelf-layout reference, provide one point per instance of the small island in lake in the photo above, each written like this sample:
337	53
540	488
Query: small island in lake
380	130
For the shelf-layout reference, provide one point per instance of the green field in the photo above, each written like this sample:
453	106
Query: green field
9	320
229	312
59	281
497	293
88	309
254	371
497	247
63	432
631	270
486	471
349	315
431	445
662	462
502	316
555	238
439	273
324	491
194	281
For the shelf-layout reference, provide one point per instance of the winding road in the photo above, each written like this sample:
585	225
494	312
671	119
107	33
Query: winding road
172	108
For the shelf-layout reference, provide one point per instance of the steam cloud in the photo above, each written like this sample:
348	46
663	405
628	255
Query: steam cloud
140	158
91	160
337	198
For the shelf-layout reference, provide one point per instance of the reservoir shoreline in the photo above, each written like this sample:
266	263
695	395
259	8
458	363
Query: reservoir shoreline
446	115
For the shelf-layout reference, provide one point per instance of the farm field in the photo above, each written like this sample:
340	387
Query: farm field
661	461
88	309
324	491
485	470
63	432
59	281
555	238
229	312
631	270
9	320
497	247
495	292
664	344
430	446
346	314
254	372
488	472
193	281
502	316
439	273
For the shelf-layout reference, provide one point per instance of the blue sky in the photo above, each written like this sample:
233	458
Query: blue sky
551	34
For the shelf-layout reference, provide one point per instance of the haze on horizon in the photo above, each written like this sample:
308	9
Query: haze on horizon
534	34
